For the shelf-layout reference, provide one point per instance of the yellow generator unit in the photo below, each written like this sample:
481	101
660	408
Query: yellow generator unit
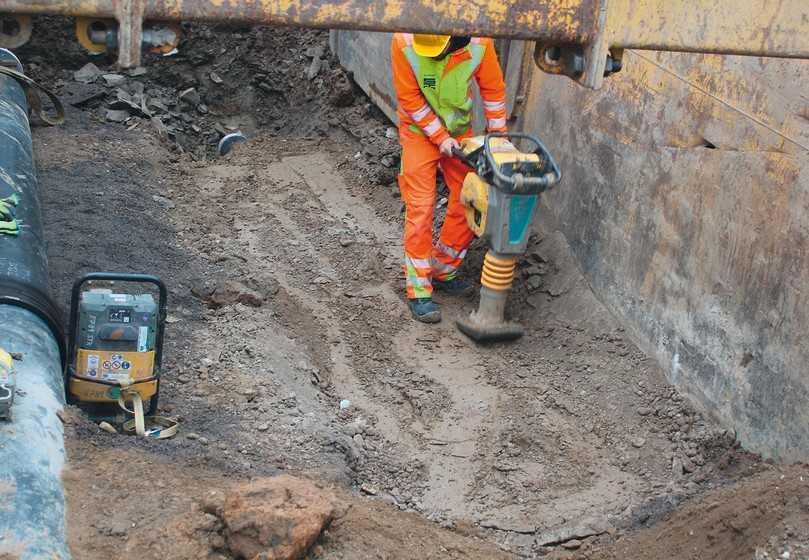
116	347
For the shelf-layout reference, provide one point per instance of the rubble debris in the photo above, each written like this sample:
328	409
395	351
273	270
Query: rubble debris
113	80
314	67
357	426
220	129
87	74
277	518
573	544
232	292
82	96
163	201
63	418
114	528
369	489
343	91
157	106
577	530
688	465
107	427
160	128
191	96
114	115
533	283
511	525
134	104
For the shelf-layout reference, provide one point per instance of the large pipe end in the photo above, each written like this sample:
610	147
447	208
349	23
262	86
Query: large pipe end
10	60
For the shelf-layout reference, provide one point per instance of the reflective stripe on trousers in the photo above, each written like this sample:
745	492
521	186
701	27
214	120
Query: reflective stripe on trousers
417	182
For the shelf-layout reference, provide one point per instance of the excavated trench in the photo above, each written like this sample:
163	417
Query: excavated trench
283	261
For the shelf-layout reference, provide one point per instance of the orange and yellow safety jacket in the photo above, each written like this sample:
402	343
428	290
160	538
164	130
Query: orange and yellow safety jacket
435	96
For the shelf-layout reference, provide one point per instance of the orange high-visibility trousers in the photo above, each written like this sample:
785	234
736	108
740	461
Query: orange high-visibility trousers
423	260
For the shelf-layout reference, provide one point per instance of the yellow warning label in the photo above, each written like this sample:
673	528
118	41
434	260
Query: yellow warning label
123	367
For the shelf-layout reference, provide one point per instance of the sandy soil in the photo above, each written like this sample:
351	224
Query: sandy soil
567	443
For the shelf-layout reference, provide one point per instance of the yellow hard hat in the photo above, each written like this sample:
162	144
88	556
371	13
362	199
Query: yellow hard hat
430	45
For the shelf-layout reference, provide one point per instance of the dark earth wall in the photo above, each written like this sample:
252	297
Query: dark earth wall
686	203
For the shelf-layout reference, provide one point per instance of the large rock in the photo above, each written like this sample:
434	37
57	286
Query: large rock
231	292
276	518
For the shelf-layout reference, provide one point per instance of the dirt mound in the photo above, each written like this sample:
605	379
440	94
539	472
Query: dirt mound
221	80
160	510
765	517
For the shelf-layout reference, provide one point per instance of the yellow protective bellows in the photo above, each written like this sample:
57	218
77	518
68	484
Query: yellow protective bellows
498	272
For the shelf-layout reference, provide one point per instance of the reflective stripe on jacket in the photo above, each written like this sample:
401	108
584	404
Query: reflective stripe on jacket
435	96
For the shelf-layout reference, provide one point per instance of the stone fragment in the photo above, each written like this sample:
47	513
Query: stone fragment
87	74
581	529
277	518
191	96
369	489
107	427
574	544
113	80
115	115
231	292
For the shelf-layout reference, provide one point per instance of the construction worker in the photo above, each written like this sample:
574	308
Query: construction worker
432	76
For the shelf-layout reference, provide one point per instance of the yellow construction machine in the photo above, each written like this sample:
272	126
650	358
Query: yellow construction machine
501	197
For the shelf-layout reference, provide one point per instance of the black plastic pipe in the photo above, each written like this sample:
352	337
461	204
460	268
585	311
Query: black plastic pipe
23	260
32	453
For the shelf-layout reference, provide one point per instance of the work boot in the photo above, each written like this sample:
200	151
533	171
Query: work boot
424	310
455	286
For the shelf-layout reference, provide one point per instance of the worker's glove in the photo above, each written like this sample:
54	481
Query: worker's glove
447	145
